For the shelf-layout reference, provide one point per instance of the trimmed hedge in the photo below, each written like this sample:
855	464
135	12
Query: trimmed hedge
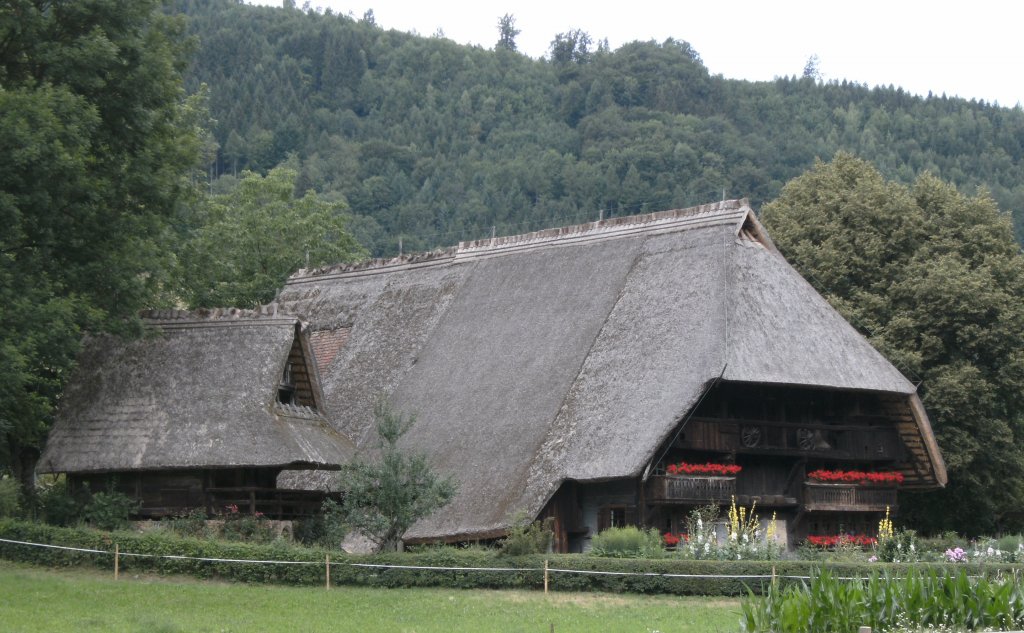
159	544
531	576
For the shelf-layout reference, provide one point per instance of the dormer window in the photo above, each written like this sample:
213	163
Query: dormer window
286	390
296	387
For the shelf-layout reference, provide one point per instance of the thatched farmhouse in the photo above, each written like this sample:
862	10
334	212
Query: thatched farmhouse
577	373
202	413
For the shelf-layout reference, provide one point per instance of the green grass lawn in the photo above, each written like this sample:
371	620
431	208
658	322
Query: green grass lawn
38	599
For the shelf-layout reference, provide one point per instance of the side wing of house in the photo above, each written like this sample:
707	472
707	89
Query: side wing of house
203	401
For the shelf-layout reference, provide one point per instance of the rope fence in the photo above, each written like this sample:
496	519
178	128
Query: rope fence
327	564
116	553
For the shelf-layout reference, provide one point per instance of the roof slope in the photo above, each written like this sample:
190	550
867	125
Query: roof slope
571	353
198	391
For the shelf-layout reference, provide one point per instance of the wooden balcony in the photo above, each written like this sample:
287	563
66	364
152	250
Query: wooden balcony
820	497
275	503
690	489
868	440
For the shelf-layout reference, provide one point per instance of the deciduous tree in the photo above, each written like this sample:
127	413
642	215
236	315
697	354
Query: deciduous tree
250	240
935	280
96	141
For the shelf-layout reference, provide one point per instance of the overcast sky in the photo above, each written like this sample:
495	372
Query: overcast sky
969	49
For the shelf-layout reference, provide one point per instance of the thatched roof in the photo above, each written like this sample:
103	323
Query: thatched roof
199	391
574	353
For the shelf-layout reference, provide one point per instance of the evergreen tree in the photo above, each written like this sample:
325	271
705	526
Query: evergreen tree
507	33
571	47
385	497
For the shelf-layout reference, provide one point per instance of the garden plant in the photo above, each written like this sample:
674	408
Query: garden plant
912	601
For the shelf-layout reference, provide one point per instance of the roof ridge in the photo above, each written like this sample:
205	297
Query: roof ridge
630	220
176	315
378	262
612	226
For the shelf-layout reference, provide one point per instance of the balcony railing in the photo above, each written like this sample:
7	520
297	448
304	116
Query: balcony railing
690	489
274	503
847	498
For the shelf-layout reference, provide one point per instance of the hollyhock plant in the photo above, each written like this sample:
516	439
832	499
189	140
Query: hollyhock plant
957	555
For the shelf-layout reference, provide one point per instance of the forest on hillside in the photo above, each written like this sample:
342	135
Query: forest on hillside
147	167
435	142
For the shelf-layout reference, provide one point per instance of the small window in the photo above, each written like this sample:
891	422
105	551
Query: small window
286	391
615	516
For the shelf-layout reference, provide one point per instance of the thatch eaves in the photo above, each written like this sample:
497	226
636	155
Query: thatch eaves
574	353
199	390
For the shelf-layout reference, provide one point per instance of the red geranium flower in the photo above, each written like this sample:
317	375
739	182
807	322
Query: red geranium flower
856	476
832	540
671	540
716	470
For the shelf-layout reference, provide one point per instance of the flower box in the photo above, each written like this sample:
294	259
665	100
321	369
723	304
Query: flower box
690	489
857	477
824	497
709	469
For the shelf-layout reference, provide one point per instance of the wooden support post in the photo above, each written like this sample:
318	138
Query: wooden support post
773	575
117	556
545	576
327	566
641	505
864	629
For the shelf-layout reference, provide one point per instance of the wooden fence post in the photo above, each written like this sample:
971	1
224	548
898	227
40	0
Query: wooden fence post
327	566
545	576
864	629
117	556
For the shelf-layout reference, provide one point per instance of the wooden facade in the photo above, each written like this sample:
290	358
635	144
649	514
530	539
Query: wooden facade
777	435
297	383
168	493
